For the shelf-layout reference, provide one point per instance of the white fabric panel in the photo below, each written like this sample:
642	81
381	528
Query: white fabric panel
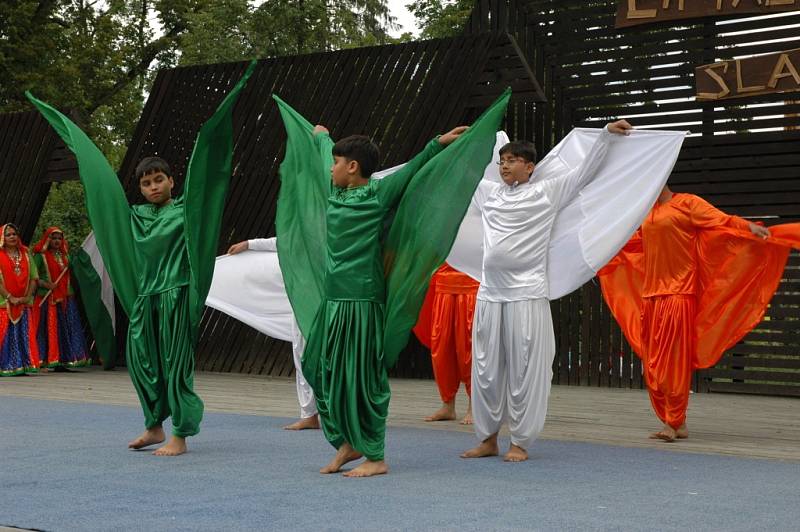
591	228
305	395
106	289
512	365
249	287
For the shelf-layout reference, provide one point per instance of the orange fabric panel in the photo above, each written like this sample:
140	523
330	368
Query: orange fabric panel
733	273
445	327
446	280
668	323
451	343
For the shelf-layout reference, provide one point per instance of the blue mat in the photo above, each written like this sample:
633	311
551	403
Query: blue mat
65	467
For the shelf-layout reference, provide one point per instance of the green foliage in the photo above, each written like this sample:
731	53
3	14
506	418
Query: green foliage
97	60
232	30
441	18
64	208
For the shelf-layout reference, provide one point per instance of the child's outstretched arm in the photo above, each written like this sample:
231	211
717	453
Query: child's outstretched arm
562	190
393	186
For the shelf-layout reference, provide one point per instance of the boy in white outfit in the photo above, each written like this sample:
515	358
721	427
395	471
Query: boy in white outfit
513	340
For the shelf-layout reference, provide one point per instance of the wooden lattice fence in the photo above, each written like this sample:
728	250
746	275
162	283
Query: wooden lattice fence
743	156
31	158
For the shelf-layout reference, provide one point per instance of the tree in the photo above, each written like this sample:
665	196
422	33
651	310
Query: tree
441	18
97	59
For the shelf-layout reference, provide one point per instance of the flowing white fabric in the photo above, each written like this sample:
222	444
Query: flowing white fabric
593	224
249	287
513	346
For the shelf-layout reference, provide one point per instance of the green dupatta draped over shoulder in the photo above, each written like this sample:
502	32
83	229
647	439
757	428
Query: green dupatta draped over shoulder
421	233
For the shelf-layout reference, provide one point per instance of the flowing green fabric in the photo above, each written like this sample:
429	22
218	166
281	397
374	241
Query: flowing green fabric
208	177
427	222
106	204
300	220
355	290
160	260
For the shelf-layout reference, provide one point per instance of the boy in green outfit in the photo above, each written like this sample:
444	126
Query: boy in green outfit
160	342
355	287
160	257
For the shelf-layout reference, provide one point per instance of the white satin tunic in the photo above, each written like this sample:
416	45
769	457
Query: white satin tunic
517	225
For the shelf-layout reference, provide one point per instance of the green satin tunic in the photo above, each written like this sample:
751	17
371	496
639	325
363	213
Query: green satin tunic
161	256
355	229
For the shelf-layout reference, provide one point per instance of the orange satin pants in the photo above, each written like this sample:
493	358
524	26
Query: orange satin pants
451	333
668	336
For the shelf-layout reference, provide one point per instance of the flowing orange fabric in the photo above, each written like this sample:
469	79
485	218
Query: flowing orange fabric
445	326
688	248
54	266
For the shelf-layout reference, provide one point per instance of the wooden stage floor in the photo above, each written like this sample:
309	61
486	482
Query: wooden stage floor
726	424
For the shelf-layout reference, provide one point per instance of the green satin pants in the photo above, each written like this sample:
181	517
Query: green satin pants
160	357
343	363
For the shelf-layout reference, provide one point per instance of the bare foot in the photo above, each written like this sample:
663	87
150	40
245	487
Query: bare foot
446	413
148	437
468	418
515	454
682	432
666	434
345	454
174	447
304	423
368	469
487	447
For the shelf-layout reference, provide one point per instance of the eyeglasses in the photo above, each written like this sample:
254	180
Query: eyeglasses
510	161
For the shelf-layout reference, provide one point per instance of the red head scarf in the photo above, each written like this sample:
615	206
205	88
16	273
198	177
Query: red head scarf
15	283
54	267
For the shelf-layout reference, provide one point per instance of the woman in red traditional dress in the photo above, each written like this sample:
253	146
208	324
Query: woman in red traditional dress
18	348
690	284
60	335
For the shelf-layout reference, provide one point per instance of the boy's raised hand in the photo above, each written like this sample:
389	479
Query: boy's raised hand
620	127
452	135
320	129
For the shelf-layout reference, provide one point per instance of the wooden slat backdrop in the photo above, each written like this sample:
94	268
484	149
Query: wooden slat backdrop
31	158
744	157
401	95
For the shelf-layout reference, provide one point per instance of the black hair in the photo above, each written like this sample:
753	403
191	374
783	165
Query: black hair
361	149
520	148
12	226
151	165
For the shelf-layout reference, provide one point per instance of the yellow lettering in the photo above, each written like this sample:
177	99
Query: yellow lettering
716	77
681	4
781	2
783	69
740	88
635	12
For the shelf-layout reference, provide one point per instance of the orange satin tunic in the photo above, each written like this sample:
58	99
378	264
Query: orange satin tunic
669	238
